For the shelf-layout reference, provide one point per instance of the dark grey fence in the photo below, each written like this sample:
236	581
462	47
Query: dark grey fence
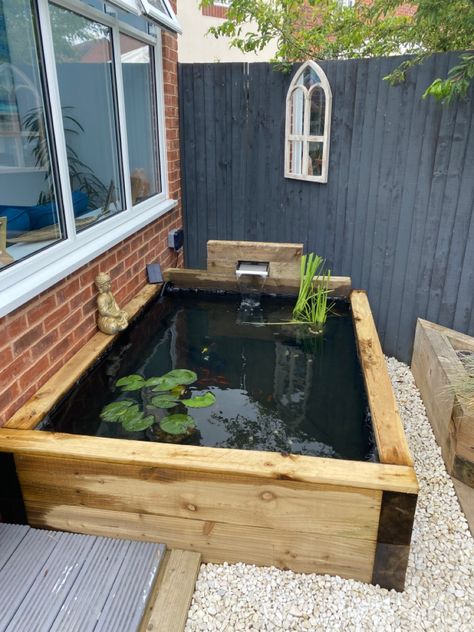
397	211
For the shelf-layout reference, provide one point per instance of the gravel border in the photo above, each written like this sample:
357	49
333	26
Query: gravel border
439	593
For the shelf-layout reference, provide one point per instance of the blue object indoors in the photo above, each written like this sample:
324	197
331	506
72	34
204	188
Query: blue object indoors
47	215
18	220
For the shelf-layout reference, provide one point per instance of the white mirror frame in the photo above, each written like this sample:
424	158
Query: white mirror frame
306	137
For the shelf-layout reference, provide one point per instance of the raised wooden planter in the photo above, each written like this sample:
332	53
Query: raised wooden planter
307	514
436	367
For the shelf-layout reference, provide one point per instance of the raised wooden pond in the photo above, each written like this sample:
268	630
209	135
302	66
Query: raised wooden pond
304	513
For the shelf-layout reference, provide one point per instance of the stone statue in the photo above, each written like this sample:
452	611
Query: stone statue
111	318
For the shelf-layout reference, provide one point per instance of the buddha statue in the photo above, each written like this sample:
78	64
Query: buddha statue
111	318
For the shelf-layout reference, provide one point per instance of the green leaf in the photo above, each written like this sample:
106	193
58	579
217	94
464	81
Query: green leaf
200	401
153	381
182	376
138	423
113	412
164	401
164	384
177	424
131	383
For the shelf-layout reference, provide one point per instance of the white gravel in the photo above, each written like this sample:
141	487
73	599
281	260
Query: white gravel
439	592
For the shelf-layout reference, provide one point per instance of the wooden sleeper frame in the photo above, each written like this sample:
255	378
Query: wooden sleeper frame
307	514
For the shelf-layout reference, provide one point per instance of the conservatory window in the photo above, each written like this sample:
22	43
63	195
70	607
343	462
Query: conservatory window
83	56
82	165
308	122
30	216
161	11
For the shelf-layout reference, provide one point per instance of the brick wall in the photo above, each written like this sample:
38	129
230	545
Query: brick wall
40	336
215	11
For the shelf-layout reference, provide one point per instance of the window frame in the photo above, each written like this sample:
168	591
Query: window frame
18	283
169	21
306	137
127	5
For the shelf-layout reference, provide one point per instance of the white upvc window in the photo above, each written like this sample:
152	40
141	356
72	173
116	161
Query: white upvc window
308	125
161	11
82	137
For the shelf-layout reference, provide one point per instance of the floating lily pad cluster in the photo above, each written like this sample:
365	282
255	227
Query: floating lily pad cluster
164	392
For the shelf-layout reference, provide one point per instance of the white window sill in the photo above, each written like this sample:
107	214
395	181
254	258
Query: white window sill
25	279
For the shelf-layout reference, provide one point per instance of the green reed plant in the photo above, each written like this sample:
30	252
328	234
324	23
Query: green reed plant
312	303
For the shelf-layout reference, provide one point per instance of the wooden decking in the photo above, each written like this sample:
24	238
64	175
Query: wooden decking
51	581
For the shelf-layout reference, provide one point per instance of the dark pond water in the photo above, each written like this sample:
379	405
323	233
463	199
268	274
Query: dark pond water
277	387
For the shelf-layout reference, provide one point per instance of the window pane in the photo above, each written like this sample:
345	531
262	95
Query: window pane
315	162
84	62
140	108
159	4
297	112
316	117
296	157
309	77
29	217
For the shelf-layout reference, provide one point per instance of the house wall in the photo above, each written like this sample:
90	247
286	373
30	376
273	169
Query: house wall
397	212
196	46
40	336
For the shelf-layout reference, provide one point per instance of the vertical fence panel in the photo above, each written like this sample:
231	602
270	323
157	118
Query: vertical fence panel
397	211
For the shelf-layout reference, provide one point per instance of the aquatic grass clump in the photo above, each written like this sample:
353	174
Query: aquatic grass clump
312	303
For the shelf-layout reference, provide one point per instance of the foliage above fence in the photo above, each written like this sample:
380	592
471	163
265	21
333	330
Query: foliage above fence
331	29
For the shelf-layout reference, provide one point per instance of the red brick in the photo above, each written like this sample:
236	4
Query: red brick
80	298
43	346
11	372
60	350
9	396
31	376
68	325
40	311
6	357
56	317
13	327
68	289
28	340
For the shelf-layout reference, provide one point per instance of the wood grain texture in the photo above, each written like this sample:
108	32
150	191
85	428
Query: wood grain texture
207	280
391	441
436	369
327	509
219	542
38	406
263	465
175	588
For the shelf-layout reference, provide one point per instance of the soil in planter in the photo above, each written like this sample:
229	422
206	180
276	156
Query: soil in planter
277	387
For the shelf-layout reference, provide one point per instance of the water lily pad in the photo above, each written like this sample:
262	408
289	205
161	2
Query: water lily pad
182	376
137	423
177	424
164	384
200	401
153	381
164	401
113	412
131	383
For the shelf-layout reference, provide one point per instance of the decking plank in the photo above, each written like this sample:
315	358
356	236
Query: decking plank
52	585
170	610
10	538
21	570
56	581
128	598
